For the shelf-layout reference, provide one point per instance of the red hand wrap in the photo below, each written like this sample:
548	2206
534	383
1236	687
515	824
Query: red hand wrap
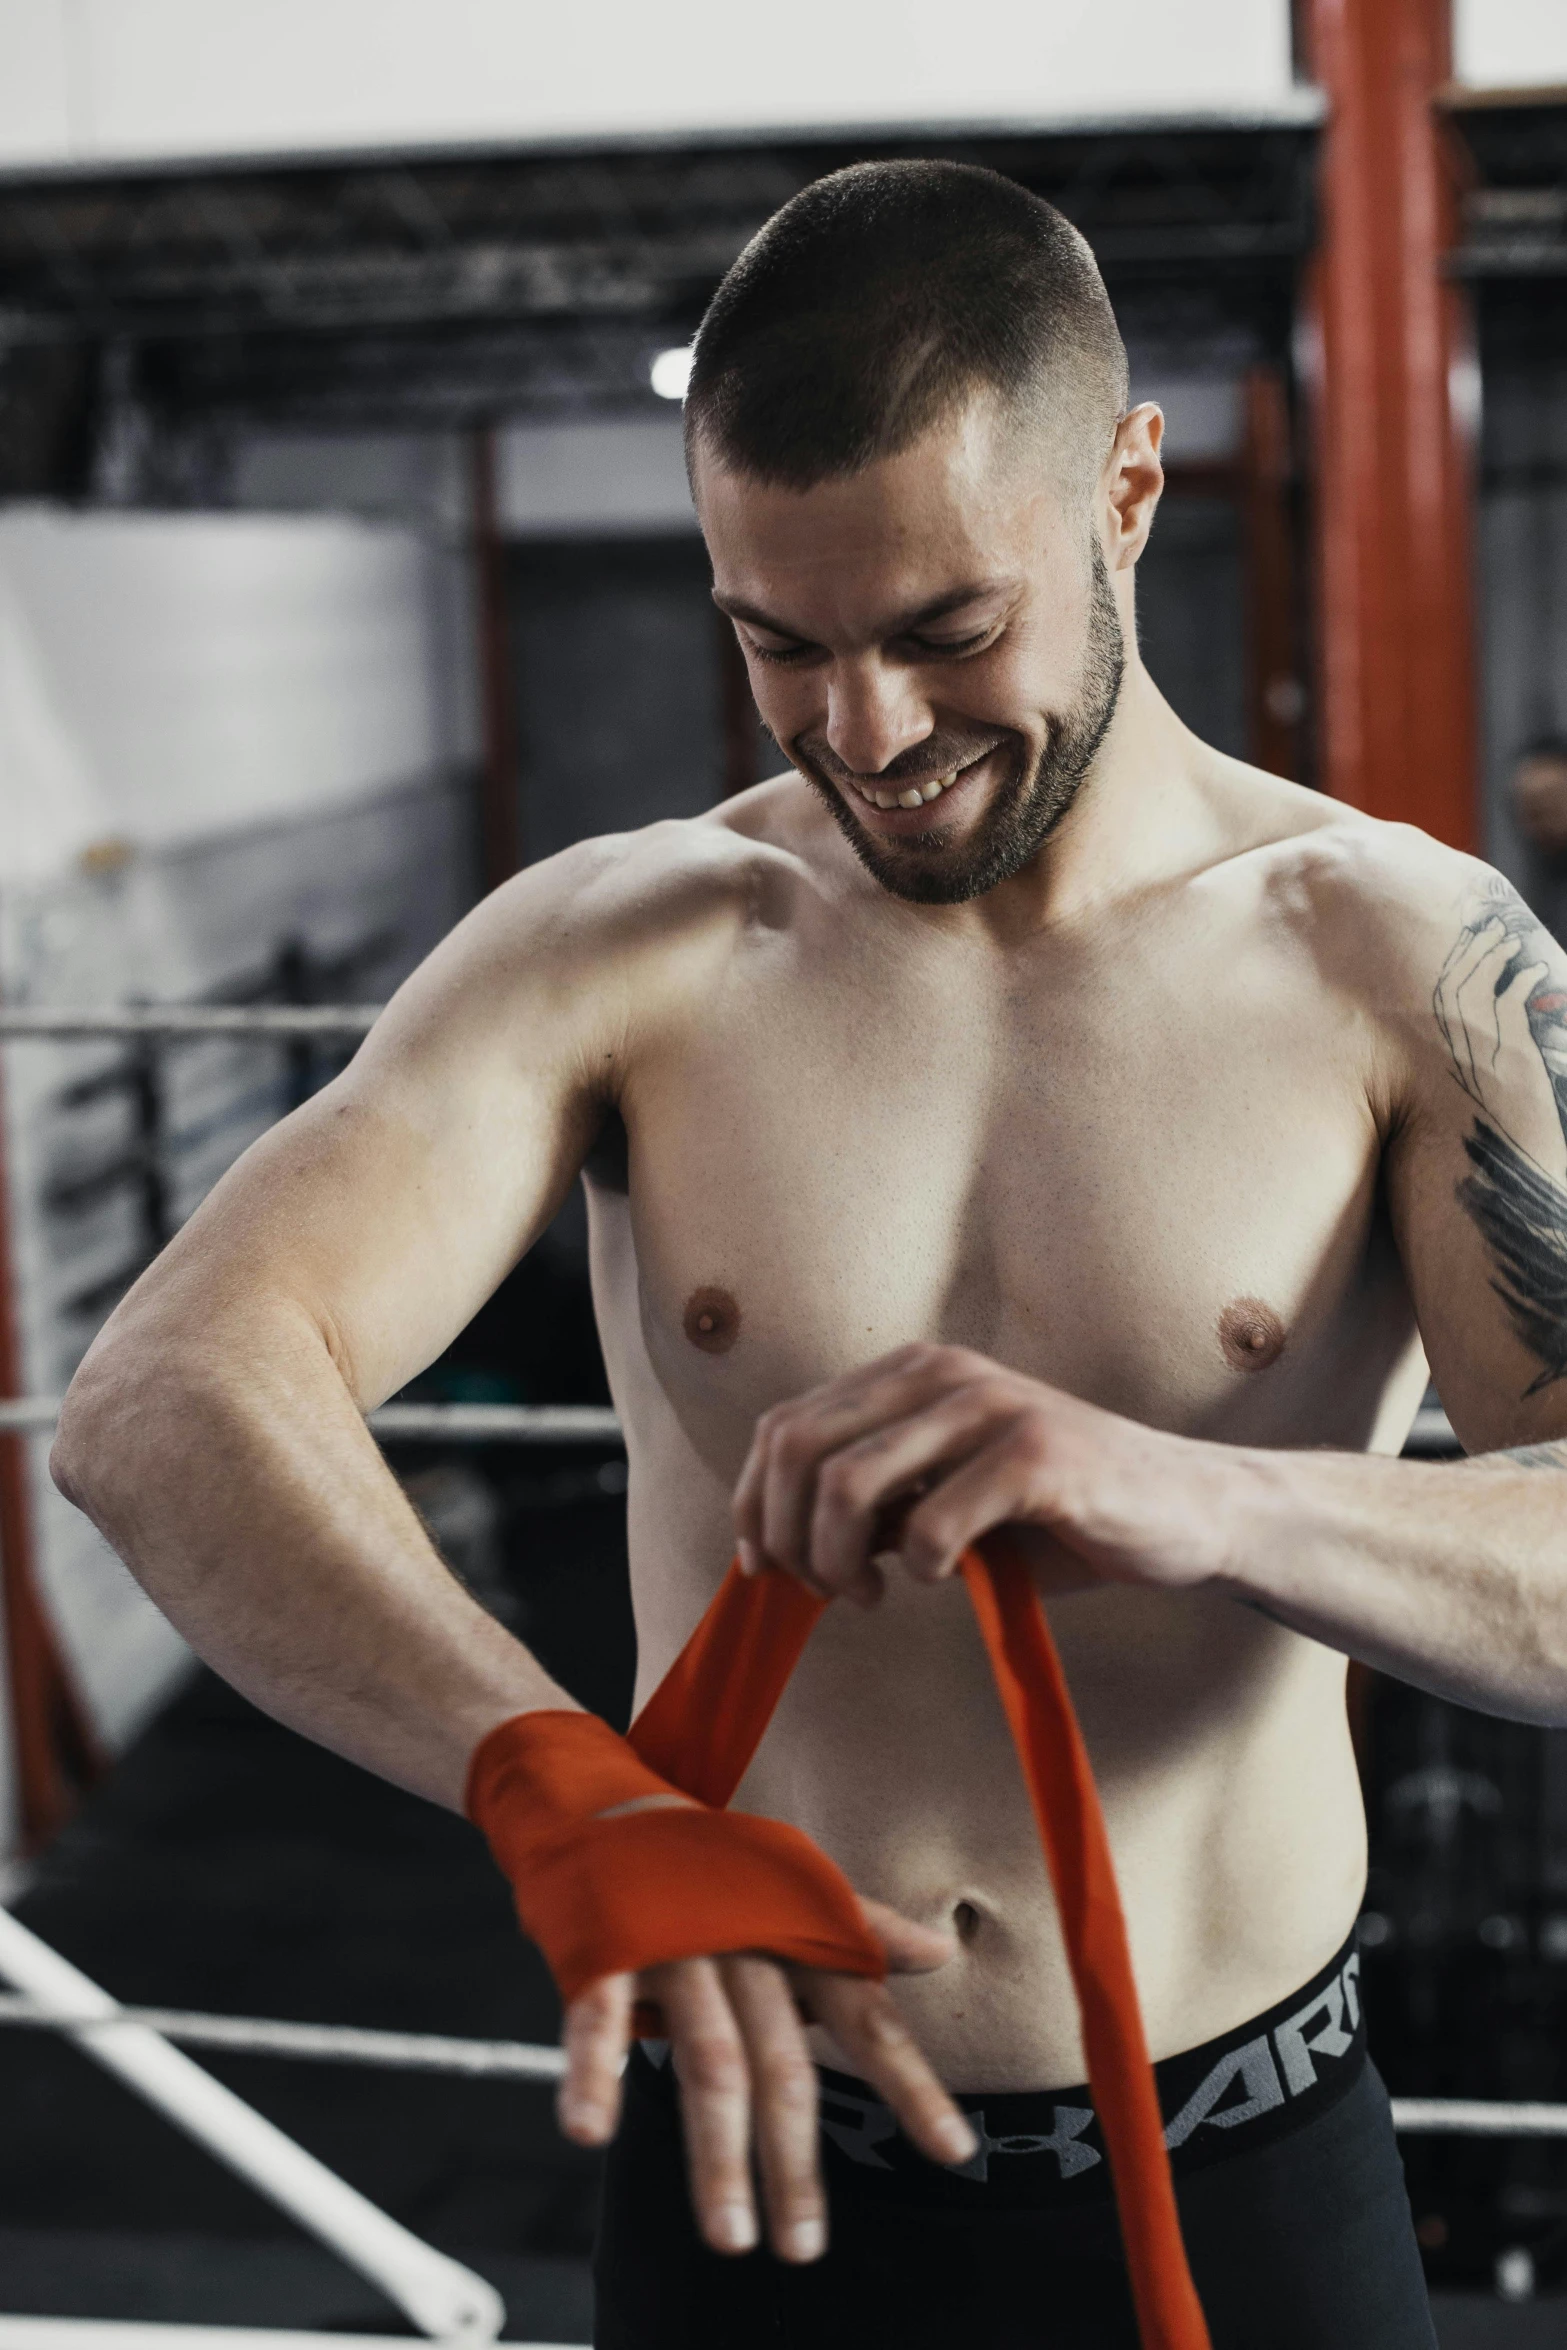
612	1896
580	1883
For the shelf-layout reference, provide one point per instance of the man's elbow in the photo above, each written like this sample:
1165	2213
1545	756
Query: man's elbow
90	1432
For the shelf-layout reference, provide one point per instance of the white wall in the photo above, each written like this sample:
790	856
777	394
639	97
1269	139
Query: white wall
166	676
1510	44
262	713
118	79
622	478
593	478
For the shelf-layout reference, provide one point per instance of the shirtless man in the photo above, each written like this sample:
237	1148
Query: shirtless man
1018	1110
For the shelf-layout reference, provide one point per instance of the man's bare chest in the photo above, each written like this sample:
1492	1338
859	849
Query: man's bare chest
1168	1208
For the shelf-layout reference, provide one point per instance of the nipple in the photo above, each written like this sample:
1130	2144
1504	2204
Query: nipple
712	1320
1251	1334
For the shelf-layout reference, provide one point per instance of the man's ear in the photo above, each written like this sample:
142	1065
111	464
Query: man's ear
1133	480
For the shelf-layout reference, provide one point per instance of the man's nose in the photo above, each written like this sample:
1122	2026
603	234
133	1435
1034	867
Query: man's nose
873	713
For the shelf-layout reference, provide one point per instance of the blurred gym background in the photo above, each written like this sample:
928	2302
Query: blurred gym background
346	563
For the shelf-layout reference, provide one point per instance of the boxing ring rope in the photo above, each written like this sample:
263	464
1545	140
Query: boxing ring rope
418	2052
523	2060
464	1423
103	2333
194	1023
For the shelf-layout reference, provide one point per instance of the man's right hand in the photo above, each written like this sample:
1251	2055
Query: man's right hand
747	2080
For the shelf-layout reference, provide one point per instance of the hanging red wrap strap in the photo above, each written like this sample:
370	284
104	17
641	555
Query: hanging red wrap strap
706	1719
1060	1783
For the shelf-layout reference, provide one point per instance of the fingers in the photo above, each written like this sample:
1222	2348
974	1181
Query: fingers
859	1483
825	1470
715	2100
743	2063
1008	1479
597	2035
910	1949
878	2046
783	2089
776	1490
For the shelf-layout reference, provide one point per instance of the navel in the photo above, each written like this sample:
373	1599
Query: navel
712	1320
1251	1334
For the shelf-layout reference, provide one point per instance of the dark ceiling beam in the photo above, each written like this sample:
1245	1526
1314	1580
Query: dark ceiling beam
451	291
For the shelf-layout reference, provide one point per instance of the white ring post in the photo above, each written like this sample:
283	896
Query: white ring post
448	2301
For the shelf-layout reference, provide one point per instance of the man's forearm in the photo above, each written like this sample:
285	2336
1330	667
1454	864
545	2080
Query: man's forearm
1452	1576
231	1469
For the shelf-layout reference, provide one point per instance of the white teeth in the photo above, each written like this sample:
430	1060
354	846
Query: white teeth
917	795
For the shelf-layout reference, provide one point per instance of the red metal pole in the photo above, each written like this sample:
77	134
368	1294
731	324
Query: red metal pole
1393	459
1275	699
56	1754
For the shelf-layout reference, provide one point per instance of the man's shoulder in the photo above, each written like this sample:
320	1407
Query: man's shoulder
678	880
1368	898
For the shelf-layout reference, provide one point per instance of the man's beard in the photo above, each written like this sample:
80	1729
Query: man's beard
923	866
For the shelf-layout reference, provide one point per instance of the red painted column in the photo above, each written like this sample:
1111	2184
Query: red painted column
56	1754
1393	460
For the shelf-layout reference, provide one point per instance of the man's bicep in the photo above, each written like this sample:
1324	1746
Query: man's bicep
391	1205
1478	1174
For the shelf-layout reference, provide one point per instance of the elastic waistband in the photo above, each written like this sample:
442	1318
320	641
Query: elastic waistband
1233	2095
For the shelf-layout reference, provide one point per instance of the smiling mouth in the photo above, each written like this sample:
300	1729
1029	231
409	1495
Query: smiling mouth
916	795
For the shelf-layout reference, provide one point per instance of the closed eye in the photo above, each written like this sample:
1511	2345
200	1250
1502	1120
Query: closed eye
784	655
942	648
955	645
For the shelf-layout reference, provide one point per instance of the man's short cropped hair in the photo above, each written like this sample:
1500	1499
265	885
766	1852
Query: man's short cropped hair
878	301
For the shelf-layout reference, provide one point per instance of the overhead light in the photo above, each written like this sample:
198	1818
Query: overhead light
671	372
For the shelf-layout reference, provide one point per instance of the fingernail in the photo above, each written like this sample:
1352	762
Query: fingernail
806	2240
578	2113
958	2142
734	2228
750	1564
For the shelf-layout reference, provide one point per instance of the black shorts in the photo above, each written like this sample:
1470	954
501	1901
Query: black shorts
1291	2194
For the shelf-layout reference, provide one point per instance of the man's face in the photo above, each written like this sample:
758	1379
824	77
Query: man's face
933	642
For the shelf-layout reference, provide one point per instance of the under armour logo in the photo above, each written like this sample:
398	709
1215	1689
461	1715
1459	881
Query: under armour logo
1330	2038
1064	2142
1254	2067
858	2125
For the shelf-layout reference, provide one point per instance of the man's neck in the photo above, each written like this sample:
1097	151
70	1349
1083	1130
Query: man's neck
1138	816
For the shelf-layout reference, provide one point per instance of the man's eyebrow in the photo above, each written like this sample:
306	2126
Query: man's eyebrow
738	609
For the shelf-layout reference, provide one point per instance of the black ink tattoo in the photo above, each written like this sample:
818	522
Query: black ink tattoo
1501	1010
1523	1216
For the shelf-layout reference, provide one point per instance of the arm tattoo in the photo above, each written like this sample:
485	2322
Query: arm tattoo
1523	1216
1519	1204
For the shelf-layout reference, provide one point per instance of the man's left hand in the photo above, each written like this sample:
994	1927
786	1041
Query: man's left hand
910	1460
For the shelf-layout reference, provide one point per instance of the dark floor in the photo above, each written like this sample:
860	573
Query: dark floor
232	1866
1469	2321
